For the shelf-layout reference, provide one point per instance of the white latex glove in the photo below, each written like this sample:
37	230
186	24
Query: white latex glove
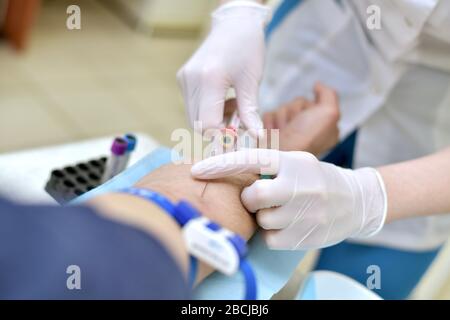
310	204
232	56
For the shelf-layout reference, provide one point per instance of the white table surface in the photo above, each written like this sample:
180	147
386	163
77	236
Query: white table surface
23	174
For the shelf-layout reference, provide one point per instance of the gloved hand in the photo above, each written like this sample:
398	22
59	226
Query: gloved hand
232	56
310	204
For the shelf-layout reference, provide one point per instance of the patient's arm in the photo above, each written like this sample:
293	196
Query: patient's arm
307	125
220	202
221	198
303	125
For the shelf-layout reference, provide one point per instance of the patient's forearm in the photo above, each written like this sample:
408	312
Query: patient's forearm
147	217
220	202
418	188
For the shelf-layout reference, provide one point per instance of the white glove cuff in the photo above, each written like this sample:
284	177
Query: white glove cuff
374	202
227	10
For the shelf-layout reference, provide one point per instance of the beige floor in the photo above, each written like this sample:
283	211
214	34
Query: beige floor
102	79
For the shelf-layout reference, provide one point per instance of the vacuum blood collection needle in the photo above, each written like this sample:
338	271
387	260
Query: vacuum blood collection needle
227	140
204	189
114	162
235	122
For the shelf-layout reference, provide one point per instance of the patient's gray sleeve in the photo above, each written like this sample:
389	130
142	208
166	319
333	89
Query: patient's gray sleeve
42	248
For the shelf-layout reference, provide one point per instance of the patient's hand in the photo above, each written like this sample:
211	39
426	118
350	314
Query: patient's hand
307	125
221	199
304	125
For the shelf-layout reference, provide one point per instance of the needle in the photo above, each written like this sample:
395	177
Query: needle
204	189
234	123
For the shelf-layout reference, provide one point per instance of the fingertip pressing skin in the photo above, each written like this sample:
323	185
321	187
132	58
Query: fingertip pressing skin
254	161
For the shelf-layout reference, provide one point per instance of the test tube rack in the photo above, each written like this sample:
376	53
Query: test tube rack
72	181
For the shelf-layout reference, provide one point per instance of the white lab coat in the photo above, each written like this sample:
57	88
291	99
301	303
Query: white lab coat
394	85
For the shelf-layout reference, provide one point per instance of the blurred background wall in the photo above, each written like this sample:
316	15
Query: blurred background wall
108	77
2	11
164	17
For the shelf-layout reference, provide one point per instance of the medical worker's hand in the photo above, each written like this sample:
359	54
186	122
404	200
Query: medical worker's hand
232	56
309	204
